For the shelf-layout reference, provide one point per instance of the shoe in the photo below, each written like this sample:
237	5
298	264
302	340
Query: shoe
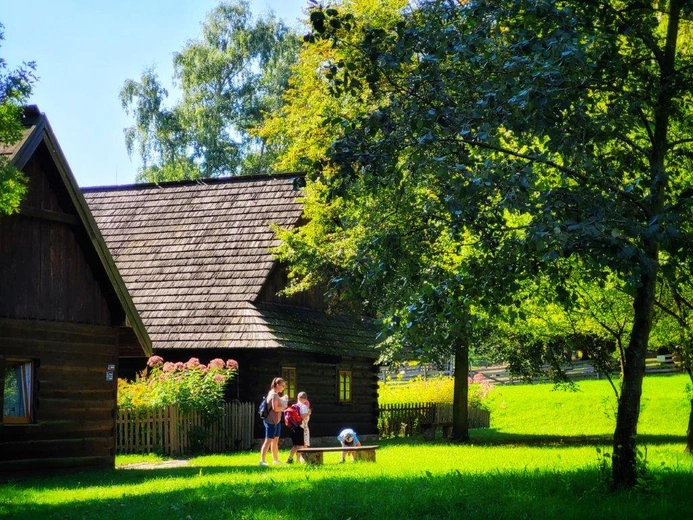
277	462
263	463
290	461
341	462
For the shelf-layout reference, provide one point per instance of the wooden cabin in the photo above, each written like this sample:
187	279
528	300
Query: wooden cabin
196	258
65	317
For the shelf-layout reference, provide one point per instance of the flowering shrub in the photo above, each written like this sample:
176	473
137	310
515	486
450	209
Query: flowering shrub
191	385
434	390
479	389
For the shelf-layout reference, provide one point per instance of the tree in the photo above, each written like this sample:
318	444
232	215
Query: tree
390	249
230	80
15	88
541	130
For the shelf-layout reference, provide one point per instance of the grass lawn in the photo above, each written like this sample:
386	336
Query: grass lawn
538	460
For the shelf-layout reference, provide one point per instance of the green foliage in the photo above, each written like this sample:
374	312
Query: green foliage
501	142
231	79
192	386
15	88
438	389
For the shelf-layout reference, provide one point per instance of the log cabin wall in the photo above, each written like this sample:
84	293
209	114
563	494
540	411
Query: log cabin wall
277	280
316	374
74	404
46	259
58	310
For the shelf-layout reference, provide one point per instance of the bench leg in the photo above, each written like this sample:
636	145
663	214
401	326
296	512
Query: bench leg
365	455
312	457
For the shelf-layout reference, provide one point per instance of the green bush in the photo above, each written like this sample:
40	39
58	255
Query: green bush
438	389
190	385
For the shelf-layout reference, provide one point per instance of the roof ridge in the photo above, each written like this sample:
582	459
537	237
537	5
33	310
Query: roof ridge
193	182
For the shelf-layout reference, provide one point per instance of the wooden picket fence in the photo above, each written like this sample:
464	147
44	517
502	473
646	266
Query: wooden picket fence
170	432
415	418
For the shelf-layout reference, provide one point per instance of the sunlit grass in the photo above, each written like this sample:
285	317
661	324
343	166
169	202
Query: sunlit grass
538	460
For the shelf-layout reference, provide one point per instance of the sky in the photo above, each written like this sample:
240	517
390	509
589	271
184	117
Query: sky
85	50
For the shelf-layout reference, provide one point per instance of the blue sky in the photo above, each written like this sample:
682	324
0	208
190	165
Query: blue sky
85	50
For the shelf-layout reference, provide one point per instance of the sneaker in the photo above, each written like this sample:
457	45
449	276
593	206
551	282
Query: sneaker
263	463
290	461
277	462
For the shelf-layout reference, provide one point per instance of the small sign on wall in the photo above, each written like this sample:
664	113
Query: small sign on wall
110	371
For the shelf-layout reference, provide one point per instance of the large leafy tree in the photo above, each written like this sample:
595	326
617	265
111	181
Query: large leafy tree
15	88
229	79
392	249
539	131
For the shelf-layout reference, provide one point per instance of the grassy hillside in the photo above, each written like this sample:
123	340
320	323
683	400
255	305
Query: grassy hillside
589	410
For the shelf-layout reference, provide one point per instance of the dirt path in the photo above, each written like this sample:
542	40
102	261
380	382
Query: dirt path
167	464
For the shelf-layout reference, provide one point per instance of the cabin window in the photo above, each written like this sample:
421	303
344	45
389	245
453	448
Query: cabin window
344	386
289	375
18	390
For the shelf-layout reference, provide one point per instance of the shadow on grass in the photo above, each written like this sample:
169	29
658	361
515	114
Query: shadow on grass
357	494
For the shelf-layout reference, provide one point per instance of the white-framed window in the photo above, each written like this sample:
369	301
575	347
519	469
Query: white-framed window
18	392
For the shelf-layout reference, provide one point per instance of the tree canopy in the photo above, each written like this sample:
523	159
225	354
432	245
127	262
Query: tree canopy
15	88
499	141
229	79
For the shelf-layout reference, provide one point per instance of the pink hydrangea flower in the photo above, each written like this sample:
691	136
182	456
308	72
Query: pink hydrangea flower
180	365
219	379
169	367
155	361
216	364
479	378
192	363
232	364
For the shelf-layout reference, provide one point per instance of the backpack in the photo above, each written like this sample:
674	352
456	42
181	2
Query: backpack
292	416
264	408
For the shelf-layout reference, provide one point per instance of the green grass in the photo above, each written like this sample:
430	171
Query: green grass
589	410
538	460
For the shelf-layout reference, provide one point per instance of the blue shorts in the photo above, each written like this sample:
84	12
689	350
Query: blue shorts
272	430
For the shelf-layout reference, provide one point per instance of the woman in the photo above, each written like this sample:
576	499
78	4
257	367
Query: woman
273	422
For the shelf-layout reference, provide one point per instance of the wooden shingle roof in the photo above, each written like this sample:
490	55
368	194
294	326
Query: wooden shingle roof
195	257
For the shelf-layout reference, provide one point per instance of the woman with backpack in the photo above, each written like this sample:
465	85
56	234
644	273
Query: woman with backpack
296	417
277	403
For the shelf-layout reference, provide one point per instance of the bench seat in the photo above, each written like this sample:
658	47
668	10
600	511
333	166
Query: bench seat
315	455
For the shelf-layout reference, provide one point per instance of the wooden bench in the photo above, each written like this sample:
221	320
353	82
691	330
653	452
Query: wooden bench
314	455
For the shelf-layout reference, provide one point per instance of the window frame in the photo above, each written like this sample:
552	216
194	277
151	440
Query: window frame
289	374
345	385
29	389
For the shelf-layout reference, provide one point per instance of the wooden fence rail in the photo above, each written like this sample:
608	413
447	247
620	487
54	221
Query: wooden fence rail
415	418
169	432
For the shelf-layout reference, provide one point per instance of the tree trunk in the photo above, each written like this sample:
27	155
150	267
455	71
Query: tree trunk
624	458
689	436
460	413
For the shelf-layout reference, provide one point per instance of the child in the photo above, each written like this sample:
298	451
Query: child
348	438
298	438
305	415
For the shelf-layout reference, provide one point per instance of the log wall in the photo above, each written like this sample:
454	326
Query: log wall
75	403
